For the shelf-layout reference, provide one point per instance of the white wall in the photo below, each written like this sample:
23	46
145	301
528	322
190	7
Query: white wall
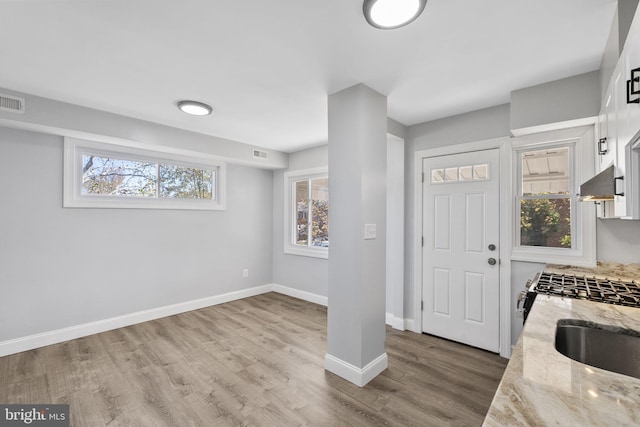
62	267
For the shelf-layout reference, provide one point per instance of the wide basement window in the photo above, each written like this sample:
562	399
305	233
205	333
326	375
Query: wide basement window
307	213
111	176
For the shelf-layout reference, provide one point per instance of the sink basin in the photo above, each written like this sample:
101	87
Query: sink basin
607	347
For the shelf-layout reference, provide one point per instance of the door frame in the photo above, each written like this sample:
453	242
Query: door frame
503	145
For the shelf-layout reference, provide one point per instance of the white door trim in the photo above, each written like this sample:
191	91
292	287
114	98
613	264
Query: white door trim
503	144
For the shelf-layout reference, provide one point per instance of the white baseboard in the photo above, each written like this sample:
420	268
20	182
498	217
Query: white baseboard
59	335
353	374
395	322
410	325
303	295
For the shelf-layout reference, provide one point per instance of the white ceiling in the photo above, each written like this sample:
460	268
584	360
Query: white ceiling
266	66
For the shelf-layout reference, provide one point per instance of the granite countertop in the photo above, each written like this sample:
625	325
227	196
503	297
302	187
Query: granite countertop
542	387
603	270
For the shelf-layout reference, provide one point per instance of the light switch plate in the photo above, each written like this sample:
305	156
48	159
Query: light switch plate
369	231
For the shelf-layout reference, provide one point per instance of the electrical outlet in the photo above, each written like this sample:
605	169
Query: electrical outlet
245	272
369	231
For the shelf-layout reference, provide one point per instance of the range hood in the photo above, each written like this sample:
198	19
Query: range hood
601	187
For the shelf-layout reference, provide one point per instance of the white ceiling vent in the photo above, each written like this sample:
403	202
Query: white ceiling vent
259	154
12	104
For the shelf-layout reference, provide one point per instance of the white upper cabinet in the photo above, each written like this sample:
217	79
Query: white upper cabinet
619	126
606	144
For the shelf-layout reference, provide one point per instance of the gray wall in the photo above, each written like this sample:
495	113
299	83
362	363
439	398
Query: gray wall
60	118
610	56
357	186
615	43
63	267
625	16
562	100
520	273
299	272
295	271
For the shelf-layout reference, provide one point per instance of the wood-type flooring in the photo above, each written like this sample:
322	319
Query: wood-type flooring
252	362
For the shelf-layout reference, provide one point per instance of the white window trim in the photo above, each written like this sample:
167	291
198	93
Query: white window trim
583	252
75	148
289	202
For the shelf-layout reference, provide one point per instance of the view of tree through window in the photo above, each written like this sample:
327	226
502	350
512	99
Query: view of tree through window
312	212
106	176
545	200
186	183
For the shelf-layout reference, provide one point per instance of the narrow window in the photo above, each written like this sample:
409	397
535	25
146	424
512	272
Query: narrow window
307	213
546	198
549	222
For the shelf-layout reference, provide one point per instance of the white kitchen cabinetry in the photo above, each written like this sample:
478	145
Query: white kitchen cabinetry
619	123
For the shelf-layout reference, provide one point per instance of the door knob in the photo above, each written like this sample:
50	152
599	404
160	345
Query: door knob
492	261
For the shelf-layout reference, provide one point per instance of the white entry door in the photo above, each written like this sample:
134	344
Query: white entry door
460	258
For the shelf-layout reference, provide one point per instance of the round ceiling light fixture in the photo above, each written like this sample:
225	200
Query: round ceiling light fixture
390	14
195	108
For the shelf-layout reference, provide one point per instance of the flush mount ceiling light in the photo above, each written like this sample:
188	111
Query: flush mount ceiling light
390	14
195	108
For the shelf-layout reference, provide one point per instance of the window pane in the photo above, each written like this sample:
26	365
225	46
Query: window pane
320	212
545	222
180	182
116	177
302	212
480	172
466	173
451	174
545	171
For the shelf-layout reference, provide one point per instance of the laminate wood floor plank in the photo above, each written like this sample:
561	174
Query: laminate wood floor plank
252	362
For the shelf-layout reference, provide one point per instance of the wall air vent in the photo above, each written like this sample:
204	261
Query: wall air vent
259	154
12	104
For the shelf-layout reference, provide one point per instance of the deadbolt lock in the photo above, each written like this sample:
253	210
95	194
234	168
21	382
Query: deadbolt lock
492	247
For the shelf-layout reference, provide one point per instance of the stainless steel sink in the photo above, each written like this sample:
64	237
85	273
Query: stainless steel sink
607	347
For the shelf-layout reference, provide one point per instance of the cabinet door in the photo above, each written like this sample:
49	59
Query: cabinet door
620	127
631	60
601	137
607	149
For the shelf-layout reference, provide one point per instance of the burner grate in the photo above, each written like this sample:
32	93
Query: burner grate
616	292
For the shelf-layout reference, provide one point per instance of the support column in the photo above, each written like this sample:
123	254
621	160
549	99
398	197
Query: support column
357	189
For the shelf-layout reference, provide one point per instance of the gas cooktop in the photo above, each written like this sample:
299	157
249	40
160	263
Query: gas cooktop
616	292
